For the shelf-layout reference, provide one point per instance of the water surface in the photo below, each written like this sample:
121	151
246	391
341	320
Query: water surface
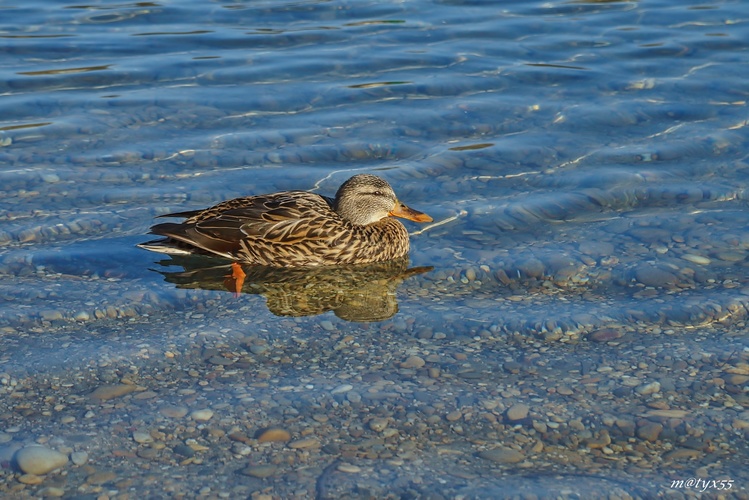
586	167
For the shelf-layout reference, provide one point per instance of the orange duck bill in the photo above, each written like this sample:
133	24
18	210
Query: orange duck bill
405	212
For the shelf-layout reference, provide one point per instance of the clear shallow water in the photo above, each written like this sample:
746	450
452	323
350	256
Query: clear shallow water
585	163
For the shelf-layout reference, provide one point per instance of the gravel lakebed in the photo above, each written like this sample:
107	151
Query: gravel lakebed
225	402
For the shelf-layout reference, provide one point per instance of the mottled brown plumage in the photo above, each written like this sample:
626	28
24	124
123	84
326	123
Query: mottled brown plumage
297	228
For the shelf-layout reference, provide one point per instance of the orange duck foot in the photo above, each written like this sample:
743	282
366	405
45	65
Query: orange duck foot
235	280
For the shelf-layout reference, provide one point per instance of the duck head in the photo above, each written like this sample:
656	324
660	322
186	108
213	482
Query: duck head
365	199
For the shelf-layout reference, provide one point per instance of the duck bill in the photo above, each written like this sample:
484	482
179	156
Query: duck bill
405	212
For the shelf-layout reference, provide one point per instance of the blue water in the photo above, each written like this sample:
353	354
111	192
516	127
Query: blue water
585	163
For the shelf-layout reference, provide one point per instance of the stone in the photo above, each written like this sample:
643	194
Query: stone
349	468
681	454
649	388
259	349
239	437
654	276
649	431
668	413
605	335
301	444
502	455
327	325
532	267
50	315
259	471
30	479
737	423
202	415
107	392
142	437
512	367
626	426
603	440
378	424
518	411
173	411
148	453
541	427
730	256
734	379
39	460
79	457
81	316
413	362
454	416
274	435
51	492
341	389
696	259
596	248
101	477
184	450
145	395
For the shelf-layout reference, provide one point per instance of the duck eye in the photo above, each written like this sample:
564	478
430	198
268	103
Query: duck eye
377	193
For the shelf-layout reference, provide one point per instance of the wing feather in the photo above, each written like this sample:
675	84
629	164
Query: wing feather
282	220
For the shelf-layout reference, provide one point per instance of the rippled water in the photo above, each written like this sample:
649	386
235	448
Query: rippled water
585	163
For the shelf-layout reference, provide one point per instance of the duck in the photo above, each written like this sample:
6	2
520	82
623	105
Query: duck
296	229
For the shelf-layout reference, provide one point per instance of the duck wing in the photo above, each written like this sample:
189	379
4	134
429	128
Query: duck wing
279	219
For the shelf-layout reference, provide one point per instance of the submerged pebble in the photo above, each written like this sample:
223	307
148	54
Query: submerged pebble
202	415
502	455
260	471
107	392
517	411
274	435
696	259
39	460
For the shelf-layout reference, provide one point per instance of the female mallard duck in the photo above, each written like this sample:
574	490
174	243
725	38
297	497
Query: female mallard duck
296	228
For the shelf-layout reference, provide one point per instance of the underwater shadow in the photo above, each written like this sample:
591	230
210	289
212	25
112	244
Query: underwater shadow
361	293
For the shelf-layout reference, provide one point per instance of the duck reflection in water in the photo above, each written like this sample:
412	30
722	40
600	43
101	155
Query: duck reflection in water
364	292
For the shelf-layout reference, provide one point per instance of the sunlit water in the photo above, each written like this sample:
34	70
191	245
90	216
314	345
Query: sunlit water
585	164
